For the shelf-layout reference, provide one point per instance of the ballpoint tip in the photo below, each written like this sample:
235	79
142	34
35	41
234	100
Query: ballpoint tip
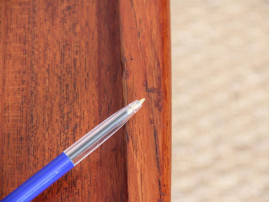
142	100
136	105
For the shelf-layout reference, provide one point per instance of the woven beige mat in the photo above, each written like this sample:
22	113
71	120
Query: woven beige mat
220	100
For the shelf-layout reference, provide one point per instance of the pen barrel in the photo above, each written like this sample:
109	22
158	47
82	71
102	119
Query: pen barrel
41	180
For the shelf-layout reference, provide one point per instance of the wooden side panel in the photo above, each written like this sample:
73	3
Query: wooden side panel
145	49
60	77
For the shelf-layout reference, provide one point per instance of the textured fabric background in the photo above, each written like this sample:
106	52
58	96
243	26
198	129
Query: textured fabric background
220	100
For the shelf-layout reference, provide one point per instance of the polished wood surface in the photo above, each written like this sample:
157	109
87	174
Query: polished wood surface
67	65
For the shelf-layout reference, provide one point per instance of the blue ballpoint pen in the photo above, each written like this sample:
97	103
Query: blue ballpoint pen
73	155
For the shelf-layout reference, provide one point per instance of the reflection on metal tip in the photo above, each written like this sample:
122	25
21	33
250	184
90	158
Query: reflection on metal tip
142	100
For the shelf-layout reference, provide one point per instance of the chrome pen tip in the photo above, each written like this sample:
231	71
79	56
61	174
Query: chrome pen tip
136	105
142	101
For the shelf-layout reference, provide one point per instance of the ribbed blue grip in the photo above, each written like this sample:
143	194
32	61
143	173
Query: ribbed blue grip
41	180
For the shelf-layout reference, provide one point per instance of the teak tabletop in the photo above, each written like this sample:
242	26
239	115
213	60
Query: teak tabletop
65	66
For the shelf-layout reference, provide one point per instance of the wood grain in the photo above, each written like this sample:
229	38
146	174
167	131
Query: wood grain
67	65
145	45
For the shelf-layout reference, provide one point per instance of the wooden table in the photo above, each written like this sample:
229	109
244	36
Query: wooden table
67	65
